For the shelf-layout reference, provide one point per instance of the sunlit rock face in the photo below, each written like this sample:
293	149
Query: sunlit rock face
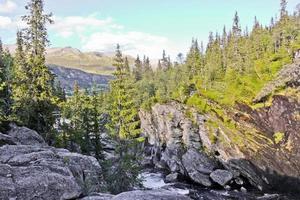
263	150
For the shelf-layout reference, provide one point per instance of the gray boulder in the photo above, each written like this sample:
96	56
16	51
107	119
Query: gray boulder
38	171
172	177
198	166
25	136
222	177
150	195
6	139
172	158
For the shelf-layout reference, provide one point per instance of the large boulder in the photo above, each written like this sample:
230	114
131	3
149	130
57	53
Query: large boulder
198	166
38	171
6	139
25	136
221	177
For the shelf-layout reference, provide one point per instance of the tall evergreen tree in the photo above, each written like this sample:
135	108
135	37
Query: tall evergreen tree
147	67
193	60
34	102
6	62
124	126
138	70
165	61
123	112
283	11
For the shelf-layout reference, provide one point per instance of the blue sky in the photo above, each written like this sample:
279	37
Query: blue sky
140	26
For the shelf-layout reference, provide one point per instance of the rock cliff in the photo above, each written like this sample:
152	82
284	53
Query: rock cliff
241	147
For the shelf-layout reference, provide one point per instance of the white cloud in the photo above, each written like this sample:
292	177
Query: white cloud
103	34
68	26
132	43
11	23
5	22
94	34
7	6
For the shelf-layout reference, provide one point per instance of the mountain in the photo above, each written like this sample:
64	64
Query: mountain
68	77
68	57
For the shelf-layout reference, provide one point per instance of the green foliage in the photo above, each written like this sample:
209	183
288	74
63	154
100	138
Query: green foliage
278	137
123	108
82	115
6	62
122	174
34	102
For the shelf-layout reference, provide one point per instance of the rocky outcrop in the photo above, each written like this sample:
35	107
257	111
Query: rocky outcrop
29	169
253	146
176	144
288	76
22	136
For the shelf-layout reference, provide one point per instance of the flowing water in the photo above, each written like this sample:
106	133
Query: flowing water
155	180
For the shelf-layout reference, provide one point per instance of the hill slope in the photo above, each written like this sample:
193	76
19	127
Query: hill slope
68	57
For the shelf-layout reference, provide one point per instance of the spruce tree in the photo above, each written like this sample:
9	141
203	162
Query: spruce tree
138	70
283	11
3	85
147	68
124	126
165	61
124	119
194	60
6	63
236	28
34	101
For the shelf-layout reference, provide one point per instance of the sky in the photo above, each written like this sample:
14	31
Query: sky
139	26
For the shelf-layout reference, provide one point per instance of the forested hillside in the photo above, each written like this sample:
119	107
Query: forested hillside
232	81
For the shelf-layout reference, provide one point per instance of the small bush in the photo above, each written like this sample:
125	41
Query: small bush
278	137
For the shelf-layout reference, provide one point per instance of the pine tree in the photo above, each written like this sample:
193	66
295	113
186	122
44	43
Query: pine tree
124	126
283	11
123	111
165	61
6	63
126	64
34	102
138	70
2	86
236	28
194	61
234	44
256	24
147	67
